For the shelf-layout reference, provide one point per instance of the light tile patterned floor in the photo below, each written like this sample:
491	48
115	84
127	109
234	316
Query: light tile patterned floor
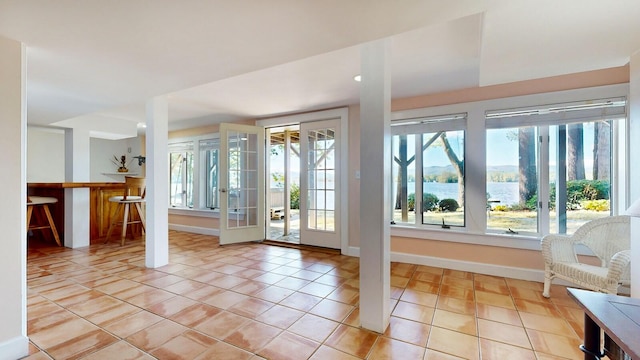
257	301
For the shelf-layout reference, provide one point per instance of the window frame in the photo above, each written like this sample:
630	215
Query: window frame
475	138
199	177
418	127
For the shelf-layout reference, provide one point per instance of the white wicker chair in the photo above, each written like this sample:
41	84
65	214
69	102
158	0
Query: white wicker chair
607	238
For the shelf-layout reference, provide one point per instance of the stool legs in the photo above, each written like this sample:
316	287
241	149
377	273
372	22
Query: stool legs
47	213
52	224
125	219
125	210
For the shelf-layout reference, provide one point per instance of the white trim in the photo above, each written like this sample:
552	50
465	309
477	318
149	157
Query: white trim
469	266
194	212
452	235
343	115
597	92
15	348
195	229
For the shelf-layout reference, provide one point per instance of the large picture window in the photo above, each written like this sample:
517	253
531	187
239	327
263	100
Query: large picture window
549	168
428	171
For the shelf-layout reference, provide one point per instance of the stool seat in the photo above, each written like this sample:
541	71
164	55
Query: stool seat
43	202
39	200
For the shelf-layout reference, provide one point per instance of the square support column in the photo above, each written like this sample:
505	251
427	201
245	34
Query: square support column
77	148
375	165
14	343
157	207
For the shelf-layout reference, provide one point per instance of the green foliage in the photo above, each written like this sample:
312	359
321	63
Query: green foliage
294	196
596	205
447	205
532	203
578	193
445	177
278	178
429	202
502	176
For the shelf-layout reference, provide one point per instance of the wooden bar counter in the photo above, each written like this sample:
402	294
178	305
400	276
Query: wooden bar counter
101	208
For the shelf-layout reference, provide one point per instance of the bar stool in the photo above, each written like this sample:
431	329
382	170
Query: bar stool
42	202
133	185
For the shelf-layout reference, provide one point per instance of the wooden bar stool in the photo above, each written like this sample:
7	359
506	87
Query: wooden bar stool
42	202
134	193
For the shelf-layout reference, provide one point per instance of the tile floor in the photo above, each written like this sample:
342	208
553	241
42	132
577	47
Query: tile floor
257	301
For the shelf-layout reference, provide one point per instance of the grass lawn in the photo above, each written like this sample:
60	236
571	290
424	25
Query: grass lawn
520	221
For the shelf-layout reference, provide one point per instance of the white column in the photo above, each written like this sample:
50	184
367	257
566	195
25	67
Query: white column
375	165
157	237
634	171
77	166
13	257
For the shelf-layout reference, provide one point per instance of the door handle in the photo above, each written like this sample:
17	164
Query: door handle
223	190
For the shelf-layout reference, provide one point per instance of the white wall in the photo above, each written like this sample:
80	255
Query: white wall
13	282
103	151
45	155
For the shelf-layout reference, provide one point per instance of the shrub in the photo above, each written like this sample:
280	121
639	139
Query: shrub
596	205
429	202
411	201
447	205
294	196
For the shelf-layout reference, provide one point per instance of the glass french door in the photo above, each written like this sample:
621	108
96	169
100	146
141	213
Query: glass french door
242	198
320	183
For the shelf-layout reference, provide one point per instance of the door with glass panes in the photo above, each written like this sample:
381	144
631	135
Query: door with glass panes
242	195
320	183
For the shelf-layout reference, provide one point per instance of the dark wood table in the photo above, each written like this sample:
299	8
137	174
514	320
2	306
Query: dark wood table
618	316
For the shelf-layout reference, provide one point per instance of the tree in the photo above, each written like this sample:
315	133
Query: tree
575	152
458	165
403	164
527	164
601	151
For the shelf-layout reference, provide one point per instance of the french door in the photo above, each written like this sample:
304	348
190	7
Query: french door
242	195
320	183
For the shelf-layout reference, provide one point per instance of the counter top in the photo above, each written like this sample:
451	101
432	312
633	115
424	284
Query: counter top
69	185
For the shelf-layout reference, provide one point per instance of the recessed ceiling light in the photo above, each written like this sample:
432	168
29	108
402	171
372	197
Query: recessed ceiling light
357	78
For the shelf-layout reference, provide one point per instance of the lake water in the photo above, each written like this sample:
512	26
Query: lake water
506	192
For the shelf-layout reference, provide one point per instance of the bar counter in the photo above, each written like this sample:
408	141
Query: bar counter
101	209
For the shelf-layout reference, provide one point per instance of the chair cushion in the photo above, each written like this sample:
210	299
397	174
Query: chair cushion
130	199
583	273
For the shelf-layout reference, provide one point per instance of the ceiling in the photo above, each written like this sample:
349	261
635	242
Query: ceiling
94	63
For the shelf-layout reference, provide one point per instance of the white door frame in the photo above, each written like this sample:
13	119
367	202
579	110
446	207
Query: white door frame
343	115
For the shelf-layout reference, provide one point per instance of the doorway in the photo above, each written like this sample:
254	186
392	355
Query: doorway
283	184
306	179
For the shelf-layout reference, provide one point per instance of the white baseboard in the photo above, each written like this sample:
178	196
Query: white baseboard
475	267
15	348
195	229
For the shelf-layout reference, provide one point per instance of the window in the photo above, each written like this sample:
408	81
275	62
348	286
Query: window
549	168
193	171
181	174
430	150
209	151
